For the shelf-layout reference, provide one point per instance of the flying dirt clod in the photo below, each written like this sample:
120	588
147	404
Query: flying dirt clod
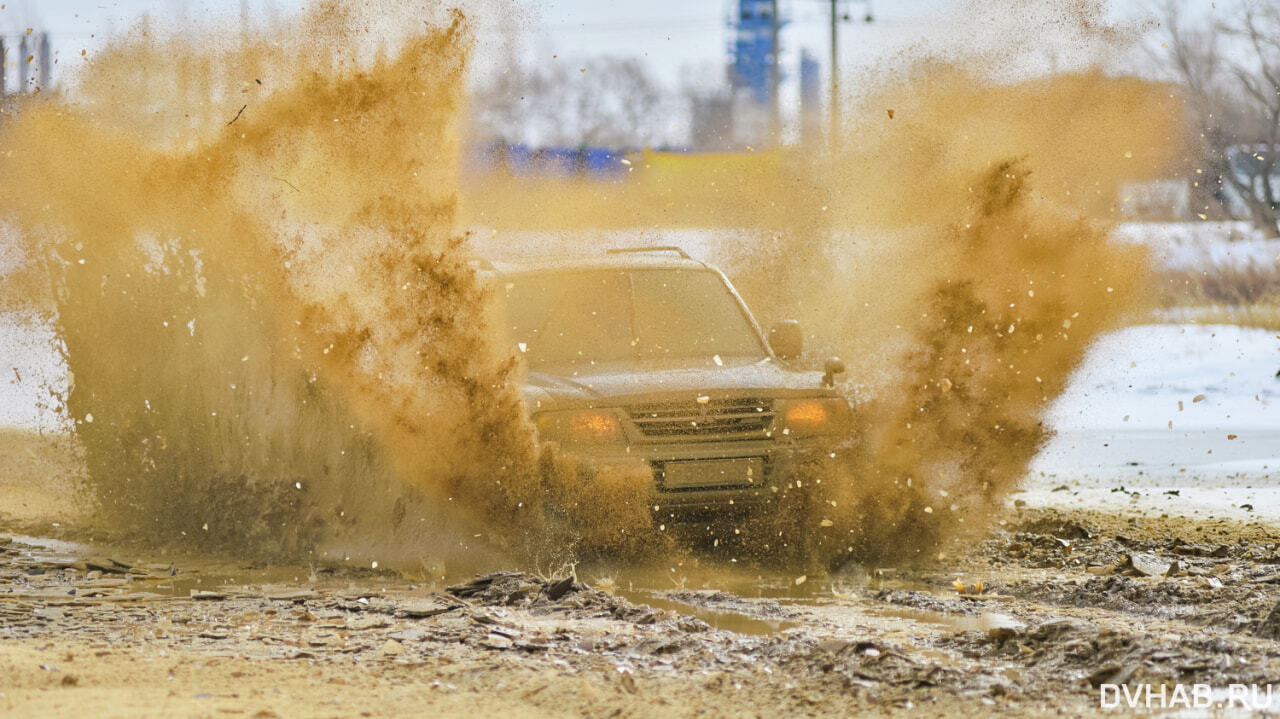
277	345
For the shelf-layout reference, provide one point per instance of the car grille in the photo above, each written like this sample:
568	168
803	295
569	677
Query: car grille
735	418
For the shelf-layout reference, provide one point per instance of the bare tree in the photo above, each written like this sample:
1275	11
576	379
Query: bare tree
501	108
606	101
1230	73
618	103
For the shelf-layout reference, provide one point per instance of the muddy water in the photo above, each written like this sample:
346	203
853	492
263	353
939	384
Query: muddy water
275	344
739	602
277	347
952	243
1048	631
730	621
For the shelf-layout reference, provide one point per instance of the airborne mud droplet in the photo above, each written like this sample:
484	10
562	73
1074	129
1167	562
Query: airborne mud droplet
290	294
285	350
907	249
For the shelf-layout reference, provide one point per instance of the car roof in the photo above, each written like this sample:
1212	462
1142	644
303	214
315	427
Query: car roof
604	261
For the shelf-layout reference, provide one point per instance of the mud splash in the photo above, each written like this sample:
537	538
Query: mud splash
953	246
261	290
274	340
992	273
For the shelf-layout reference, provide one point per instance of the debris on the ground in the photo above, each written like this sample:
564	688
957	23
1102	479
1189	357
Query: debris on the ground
1063	605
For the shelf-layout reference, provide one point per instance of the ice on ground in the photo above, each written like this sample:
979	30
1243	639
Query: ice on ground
1168	419
1244	504
1197	377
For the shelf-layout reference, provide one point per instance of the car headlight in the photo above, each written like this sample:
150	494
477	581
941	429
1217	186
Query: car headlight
581	426
812	417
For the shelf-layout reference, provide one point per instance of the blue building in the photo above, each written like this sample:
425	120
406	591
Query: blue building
754	31
519	160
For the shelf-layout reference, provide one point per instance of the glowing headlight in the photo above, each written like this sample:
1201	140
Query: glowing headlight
810	417
583	426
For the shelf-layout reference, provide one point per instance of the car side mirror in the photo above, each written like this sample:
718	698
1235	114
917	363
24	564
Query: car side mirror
833	367
786	340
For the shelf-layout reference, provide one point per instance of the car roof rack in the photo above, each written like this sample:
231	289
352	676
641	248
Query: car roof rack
654	248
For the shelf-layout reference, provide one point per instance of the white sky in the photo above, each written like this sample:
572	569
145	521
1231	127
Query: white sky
675	34
681	41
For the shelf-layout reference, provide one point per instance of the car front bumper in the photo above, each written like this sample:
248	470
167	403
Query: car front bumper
774	466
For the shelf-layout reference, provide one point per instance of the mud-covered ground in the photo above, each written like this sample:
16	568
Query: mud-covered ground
1054	604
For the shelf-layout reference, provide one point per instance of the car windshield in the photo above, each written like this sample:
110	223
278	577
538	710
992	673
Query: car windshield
641	316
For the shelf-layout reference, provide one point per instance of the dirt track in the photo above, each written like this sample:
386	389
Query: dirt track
1068	602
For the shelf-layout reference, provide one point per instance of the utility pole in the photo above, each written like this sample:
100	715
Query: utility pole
834	108
23	67
4	70
45	62
775	77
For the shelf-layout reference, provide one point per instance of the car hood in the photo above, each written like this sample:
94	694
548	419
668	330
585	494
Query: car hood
605	386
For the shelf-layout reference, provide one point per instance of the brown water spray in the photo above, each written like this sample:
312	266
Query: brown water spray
278	345
953	247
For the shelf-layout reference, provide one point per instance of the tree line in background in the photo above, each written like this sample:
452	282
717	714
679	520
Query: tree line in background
606	102
1228	70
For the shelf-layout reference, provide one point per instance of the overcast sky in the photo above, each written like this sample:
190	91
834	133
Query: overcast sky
680	40
673	34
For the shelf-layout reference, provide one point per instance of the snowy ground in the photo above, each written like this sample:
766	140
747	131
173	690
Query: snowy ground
1178	419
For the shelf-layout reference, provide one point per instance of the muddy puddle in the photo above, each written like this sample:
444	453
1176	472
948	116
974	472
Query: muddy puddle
746	601
1067	603
728	620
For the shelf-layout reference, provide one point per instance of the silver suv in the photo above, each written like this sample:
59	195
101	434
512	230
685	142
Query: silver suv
649	356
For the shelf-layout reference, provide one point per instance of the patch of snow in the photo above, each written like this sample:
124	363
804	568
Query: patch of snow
1146	377
1114	448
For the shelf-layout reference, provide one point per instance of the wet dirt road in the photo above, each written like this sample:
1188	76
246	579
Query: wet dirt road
1067	603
